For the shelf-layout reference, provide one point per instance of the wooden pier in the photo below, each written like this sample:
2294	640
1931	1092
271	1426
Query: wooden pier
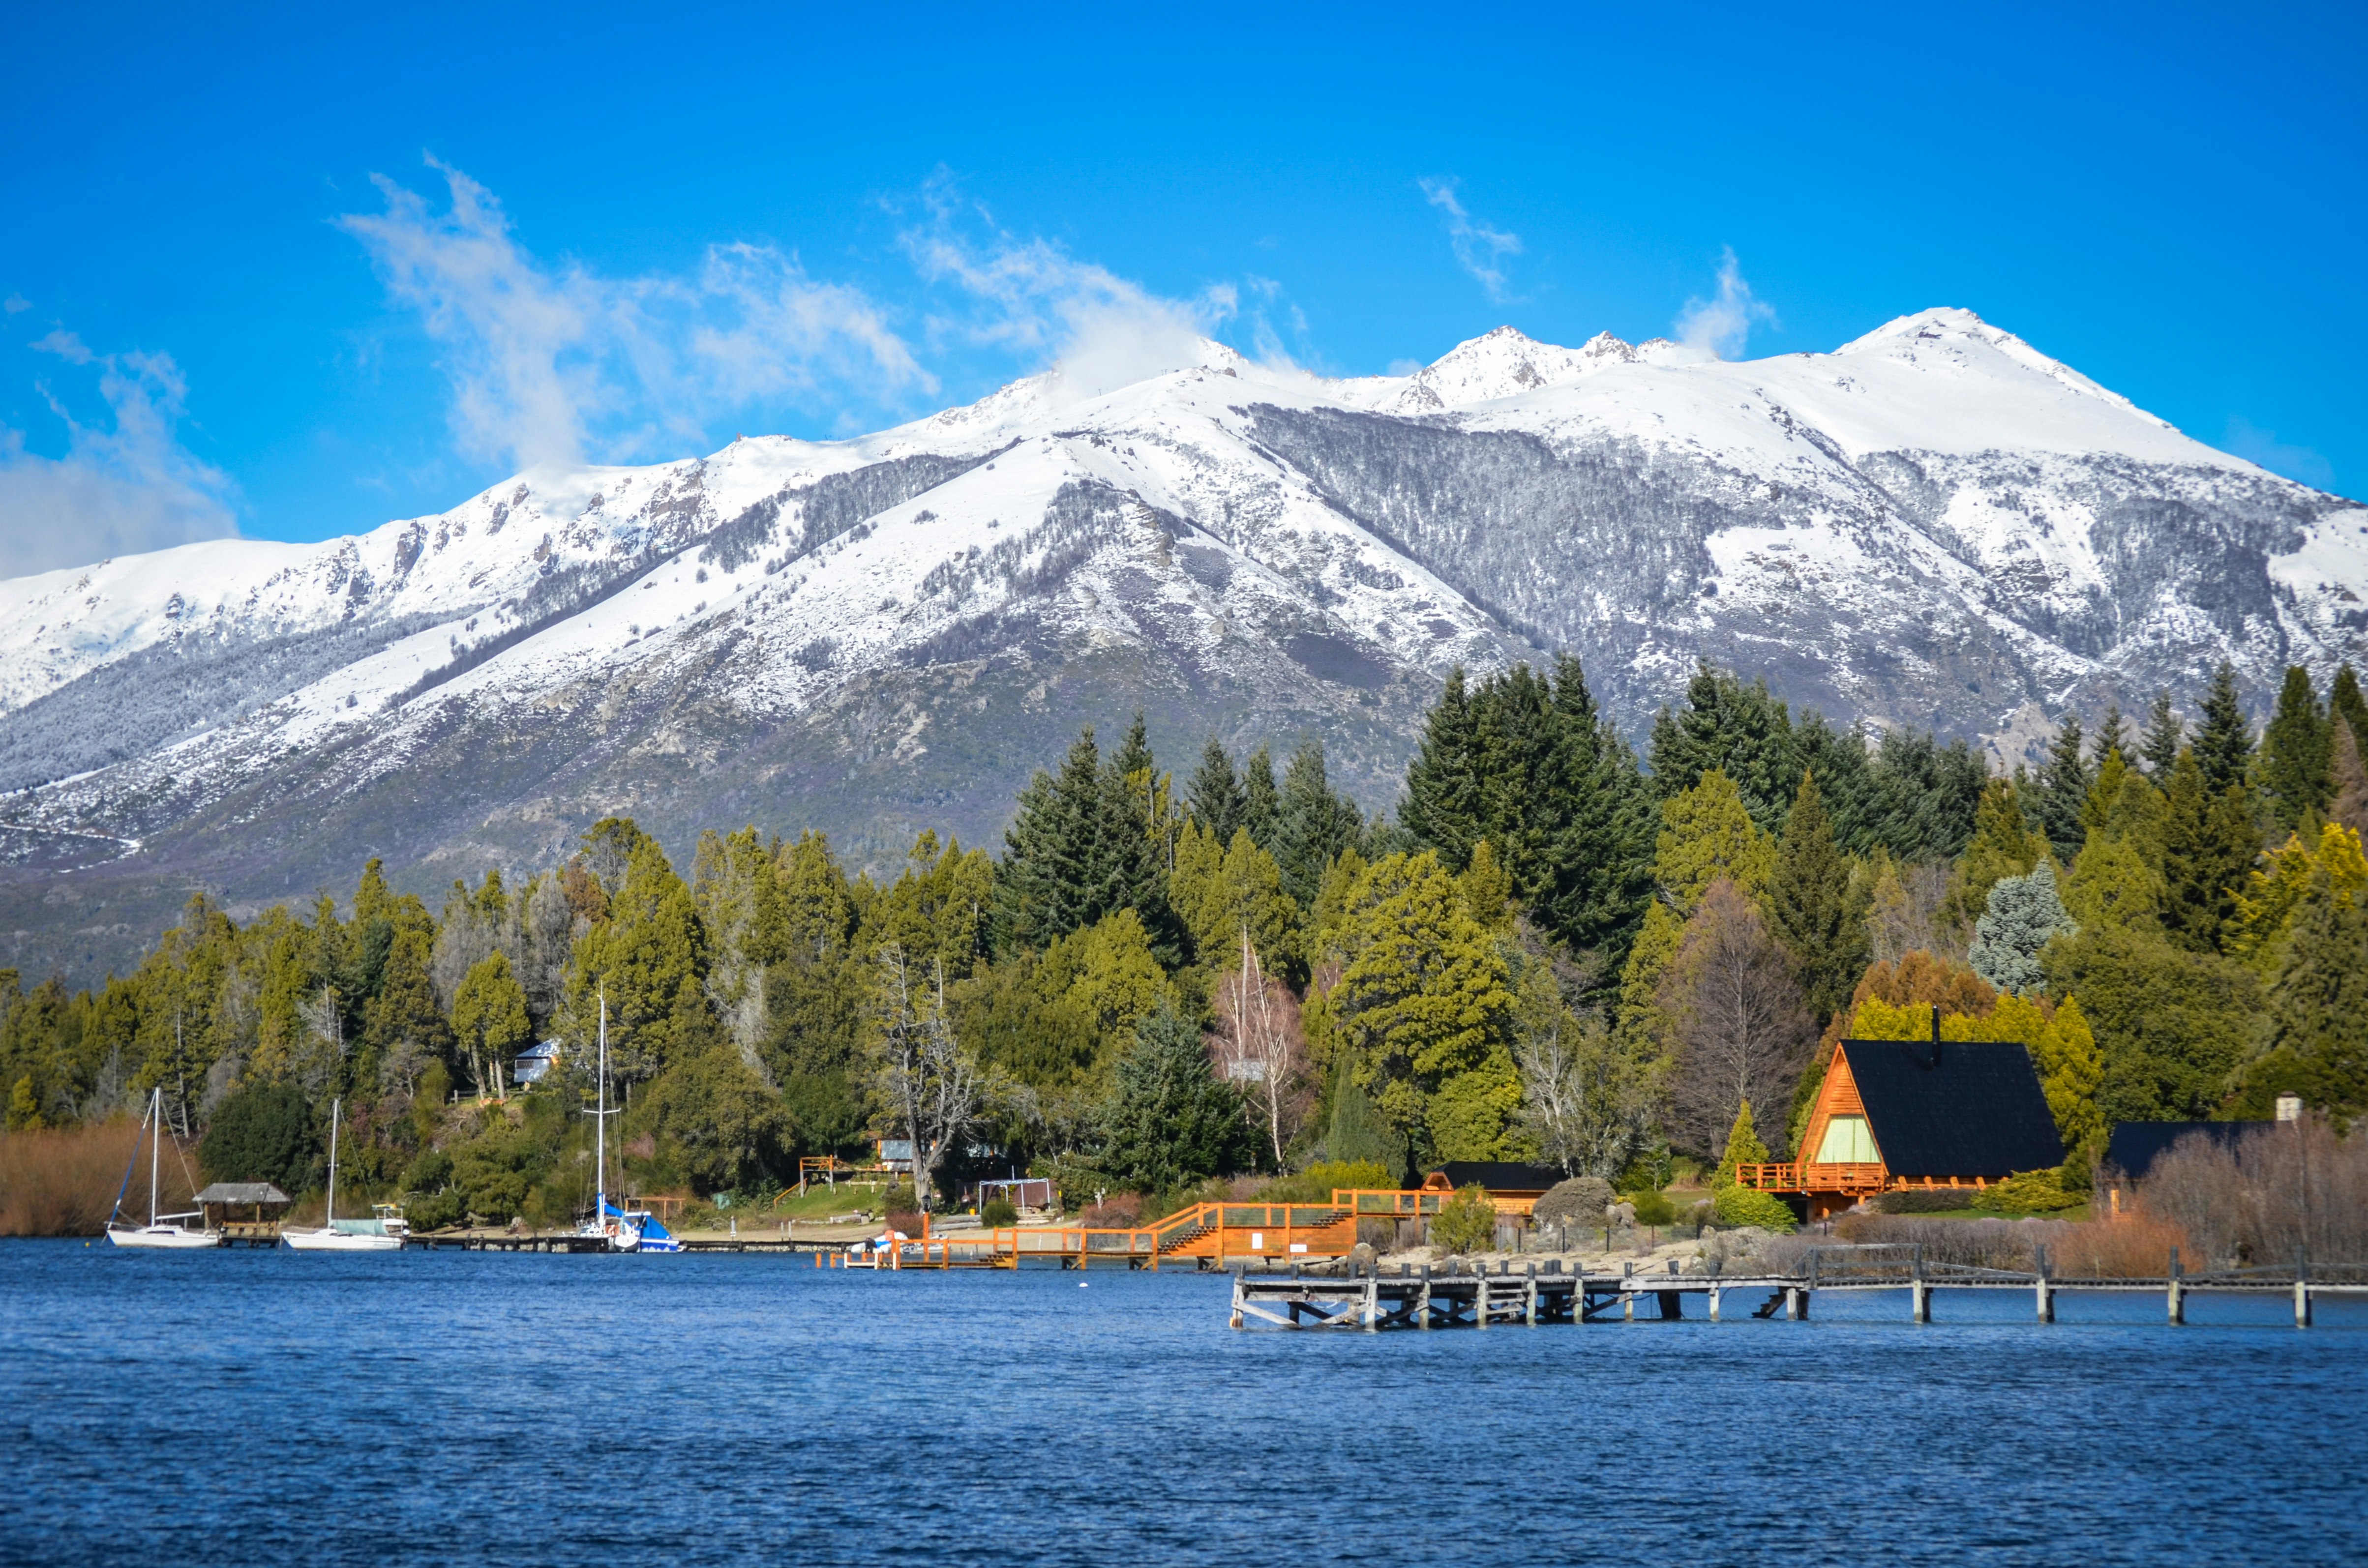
1374	1297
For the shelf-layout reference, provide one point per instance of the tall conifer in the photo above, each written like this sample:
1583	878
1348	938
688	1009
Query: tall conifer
1261	801
2063	784
1815	913
2297	754
2208	844
1442	790
2164	736
1738	730
1217	800
2223	740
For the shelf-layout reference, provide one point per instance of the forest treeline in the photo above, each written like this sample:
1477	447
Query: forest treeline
1554	950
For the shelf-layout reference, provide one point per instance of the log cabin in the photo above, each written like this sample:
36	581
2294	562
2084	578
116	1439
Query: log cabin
1894	1114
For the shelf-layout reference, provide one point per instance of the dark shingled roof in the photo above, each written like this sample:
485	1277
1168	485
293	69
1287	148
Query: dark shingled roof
1954	1108
1500	1176
2136	1146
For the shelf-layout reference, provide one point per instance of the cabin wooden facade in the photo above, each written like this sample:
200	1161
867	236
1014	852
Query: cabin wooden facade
1899	1114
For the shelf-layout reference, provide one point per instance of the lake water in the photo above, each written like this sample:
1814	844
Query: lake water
262	1407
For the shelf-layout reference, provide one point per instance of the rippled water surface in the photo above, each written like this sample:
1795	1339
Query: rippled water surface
260	1407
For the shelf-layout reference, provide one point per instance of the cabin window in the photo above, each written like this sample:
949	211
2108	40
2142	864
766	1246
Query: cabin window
1847	1142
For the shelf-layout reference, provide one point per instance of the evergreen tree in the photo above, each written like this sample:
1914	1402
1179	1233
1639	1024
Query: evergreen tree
1743	1148
2113	736
1171	1122
2315	1026
1925	795
1312	825
2297	754
1602	850
2223	740
2170	1023
1740	731
1046	883
649	960
2348	778
2063	784
489	1019
2025	913
1129	871
1261	801
1443	805
1218	803
1707	832
402	1023
1817	911
2208	845
1848	790
2344	701
2164	736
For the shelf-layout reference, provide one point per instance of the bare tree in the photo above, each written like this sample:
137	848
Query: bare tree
1587	1095
1257	1044
1904	914
2282	1187
936	1088
548	930
1737	1020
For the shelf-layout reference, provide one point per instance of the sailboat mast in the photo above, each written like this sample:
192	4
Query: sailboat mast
601	1178
155	1146
332	1221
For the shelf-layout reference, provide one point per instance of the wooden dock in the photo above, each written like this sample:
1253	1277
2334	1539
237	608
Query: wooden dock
1374	1297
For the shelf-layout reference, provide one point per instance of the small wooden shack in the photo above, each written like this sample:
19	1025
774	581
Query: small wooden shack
1896	1114
220	1203
1516	1187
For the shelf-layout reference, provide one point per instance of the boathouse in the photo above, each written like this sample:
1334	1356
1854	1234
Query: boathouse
1896	1114
219	1203
1506	1181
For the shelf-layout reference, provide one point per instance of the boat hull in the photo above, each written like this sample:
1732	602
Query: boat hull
171	1236
337	1240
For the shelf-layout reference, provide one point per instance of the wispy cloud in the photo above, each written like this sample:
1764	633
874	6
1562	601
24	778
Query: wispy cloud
1032	299
2256	445
1720	328
117	491
555	363
1479	249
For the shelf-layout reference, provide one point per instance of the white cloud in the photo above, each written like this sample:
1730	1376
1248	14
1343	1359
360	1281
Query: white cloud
2256	445
1720	328
1479	249
1032	299
115	492
553	364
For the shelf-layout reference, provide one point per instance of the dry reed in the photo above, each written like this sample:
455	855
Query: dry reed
63	1181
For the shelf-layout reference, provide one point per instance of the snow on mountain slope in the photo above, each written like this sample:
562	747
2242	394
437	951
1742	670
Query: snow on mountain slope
1933	525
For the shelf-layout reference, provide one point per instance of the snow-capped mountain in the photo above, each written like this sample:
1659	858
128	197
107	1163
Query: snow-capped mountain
1934	524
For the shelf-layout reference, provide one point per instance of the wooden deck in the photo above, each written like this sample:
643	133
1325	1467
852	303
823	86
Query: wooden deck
1376	1297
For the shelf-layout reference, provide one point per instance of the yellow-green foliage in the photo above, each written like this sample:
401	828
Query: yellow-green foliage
1319	1181
937	907
1466	1222
2113	886
1706	834
489	1014
646	958
1749	1206
1425	1003
1093	986
2003	844
1221	891
1743	1147
2266	904
2030	1192
1488	889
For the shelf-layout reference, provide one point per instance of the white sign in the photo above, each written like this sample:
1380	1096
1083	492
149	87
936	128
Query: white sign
1299	1246
1258	1240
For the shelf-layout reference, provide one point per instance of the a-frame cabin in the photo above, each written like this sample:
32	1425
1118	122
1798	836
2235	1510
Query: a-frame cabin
1916	1113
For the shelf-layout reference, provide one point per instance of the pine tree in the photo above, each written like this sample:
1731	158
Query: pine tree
2317	1014
1706	834
2164	736
2025	913
2344	700
1050	852
1312	825
1171	1122
2208	845
2349	778
2223	740
2063	784
2169	1024
1602	853
1926	795
402	1023
2113	736
1743	1148
1217	800
1261	801
1441	807
2004	844
2297	754
1847	788
1740	731
1816	910
644	958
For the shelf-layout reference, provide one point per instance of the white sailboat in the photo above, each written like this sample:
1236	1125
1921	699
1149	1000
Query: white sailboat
383	1233
158	1231
626	1230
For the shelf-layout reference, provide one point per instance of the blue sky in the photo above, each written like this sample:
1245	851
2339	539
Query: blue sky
296	277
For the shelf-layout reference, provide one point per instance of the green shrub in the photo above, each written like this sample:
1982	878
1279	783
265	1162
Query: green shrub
263	1132
1466	1222
1317	1182
998	1212
2030	1192
1749	1206
1654	1207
